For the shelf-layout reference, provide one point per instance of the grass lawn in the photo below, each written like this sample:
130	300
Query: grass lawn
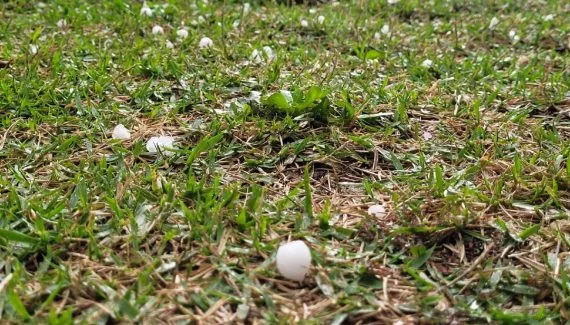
451	118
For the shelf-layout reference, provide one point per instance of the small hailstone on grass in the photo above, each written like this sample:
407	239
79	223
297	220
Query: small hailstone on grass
427	63
385	29
312	11
393	2
164	144
201	19
235	24
205	43
157	30
255	96
120	132
294	260
259	56
321	19
494	22
182	33
61	23
146	11
304	23
513	36
377	36
377	210
548	17
246	8
169	44
33	49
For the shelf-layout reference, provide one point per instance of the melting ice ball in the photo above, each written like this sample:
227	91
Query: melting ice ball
294	260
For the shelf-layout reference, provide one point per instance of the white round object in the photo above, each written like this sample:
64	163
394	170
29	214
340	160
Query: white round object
321	19
163	144
157	30
294	260
146	11
61	23
304	23
246	8
182	33
385	29
33	49
377	210
120	132
258	56
205	43
427	63
169	44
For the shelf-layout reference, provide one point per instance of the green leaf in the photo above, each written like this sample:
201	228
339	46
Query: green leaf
396	162
16	236
278	100
308	216
420	256
126	308
373	54
206	144
532	230
501	225
17	304
522	289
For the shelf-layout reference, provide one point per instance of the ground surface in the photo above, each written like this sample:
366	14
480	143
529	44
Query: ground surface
468	154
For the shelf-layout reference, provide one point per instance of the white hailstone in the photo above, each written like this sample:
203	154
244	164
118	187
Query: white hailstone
288	95
321	19
201	19
259	56
146	11
312	11
61	23
385	29
548	17
294	260
33	49
255	96
205	43
377	210
256	56
513	36
157	30
246	8
377	36
269	53
169	44
393	2
494	22
120	132
427	63
182	33
235	24
164	144
304	23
